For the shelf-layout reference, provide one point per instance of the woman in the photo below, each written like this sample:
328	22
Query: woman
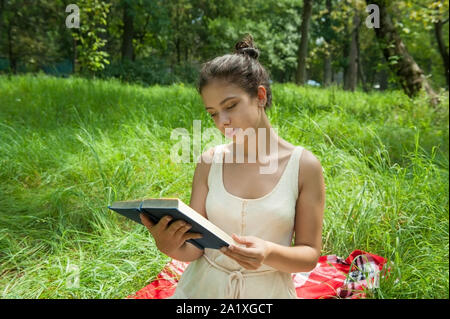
262	211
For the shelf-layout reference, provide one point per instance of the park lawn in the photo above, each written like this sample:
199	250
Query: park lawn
69	147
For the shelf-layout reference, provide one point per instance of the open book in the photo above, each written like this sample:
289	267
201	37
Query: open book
156	208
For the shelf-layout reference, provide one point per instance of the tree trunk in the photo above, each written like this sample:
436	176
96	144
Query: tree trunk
371	79
361	74
410	75
178	49
12	58
2	9
177	34
128	32
352	71
74	56
345	67
327	76
442	49
384	80
303	48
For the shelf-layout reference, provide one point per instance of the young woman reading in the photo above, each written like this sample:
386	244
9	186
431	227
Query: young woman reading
262	212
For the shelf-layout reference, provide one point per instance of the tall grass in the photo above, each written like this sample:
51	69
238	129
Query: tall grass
69	147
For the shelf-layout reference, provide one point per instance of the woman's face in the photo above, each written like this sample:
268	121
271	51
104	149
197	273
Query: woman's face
231	107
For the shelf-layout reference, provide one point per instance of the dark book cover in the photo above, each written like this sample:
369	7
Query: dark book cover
155	209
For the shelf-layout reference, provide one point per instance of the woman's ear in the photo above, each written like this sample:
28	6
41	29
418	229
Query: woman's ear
262	96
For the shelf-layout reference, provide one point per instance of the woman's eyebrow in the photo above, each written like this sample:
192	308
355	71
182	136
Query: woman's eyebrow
224	100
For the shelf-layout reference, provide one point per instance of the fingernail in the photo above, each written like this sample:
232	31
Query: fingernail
223	249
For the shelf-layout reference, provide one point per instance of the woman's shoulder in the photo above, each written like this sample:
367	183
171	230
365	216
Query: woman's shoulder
306	158
310	168
309	160
205	161
204	164
203	167
208	155
309	165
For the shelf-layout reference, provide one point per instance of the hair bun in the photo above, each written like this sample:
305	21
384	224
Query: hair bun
246	47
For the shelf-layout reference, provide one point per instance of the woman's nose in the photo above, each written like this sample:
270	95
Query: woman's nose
224	119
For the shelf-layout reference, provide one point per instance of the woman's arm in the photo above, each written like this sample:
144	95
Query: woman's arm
310	206
303	256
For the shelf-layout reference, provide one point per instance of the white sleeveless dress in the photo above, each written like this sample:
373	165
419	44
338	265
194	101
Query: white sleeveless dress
270	217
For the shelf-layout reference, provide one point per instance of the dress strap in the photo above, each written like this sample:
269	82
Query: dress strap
214	169
292	175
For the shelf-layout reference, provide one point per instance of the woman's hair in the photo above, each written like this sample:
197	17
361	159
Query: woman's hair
240	68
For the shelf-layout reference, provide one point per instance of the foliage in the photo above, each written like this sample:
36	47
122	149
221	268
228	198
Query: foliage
93	15
31	35
150	71
189	32
417	30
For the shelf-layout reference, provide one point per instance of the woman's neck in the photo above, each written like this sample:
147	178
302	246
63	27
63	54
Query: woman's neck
257	147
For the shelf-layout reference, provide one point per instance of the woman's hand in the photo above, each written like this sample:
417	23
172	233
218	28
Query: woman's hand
252	256
169	238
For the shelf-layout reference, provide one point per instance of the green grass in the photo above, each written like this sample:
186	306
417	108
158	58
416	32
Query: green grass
69	147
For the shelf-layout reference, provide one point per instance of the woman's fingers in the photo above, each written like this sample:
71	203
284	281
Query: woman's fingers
188	236
238	257
177	231
245	252
164	222
146	221
175	227
241	239
182	230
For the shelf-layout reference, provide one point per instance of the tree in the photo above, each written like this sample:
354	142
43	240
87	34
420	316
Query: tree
128	30
443	50
334	30
327	71
93	14
30	35
410	75
433	15
303	48
351	76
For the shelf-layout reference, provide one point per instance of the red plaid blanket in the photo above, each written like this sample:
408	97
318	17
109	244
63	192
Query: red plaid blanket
333	277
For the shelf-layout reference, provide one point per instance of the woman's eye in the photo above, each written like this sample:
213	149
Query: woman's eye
228	108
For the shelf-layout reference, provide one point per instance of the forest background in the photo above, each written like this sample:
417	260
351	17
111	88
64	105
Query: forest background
84	104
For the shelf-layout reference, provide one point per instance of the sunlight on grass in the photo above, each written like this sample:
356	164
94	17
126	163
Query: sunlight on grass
69	147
